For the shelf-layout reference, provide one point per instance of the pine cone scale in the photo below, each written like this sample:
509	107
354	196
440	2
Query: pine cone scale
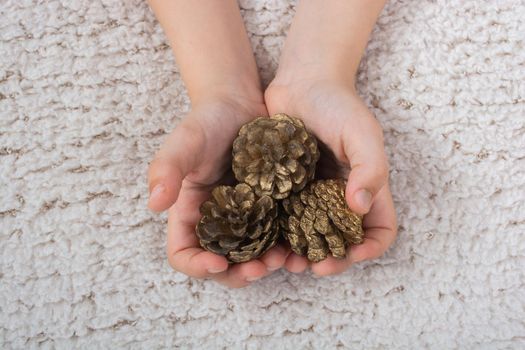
252	179
284	186
214	248
267	182
296	149
336	244
299	176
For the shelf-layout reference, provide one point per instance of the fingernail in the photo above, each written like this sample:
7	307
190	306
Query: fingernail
253	278
158	189
216	270
364	199
273	268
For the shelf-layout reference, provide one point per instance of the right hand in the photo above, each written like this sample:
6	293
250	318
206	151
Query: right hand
194	158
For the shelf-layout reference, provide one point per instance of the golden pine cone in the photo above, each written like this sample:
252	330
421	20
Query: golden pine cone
238	224
317	221
275	156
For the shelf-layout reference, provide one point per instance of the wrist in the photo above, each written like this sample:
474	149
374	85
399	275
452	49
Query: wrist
291	90
241	104
302	79
313	72
327	39
247	94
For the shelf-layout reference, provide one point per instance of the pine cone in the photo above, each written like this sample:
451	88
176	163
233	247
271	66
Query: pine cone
238	224
275	156
317	221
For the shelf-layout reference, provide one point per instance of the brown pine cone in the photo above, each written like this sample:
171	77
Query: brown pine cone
317	221
275	156
238	224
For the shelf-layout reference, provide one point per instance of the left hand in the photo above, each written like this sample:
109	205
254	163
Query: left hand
351	138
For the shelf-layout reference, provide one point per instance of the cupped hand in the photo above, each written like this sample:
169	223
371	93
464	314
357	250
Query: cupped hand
350	138
194	158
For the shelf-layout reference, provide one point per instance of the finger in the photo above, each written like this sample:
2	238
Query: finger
380	228
275	258
198	263
295	263
369	167
241	275
331	266
183	249
175	159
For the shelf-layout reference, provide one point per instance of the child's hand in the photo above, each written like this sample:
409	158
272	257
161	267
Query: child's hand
195	157
213	52
352	137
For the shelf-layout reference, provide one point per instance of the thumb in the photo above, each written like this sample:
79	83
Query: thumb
369	166
177	157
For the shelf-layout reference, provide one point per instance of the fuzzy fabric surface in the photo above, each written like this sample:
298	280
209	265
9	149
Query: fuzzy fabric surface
88	91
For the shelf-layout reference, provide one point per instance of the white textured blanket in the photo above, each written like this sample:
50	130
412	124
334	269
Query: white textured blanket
89	89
